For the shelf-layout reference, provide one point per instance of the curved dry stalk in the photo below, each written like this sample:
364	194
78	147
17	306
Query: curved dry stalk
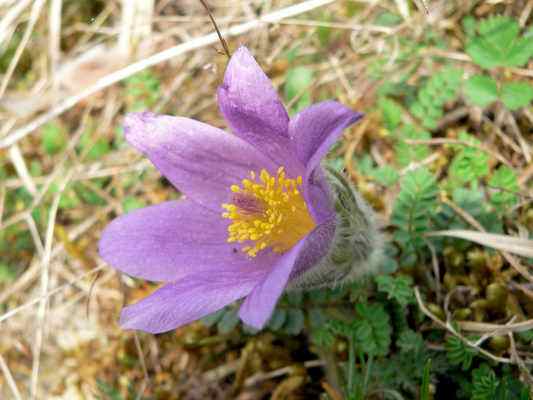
158	58
451	329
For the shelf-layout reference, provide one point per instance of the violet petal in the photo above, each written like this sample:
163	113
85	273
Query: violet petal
259	305
253	109
189	299
200	160
318	196
171	240
316	128
313	131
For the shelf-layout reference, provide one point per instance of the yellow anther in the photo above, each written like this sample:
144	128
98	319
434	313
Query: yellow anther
267	213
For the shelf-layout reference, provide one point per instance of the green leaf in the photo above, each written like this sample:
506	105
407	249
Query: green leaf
131	203
213	318
407	153
439	89
391	112
398	288
372	329
469	25
484	382
324	32
481	90
295	322
505	179
388	19
498	44
411	213
142	91
424	390
94	149
323	336
229	321
386	175
459	353
278	319
469	164
54	138
410	342
499	30
297	83
516	94
6	273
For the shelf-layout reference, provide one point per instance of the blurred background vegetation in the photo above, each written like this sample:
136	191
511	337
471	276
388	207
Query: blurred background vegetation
443	155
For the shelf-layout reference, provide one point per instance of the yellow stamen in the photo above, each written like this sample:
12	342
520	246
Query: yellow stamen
270	212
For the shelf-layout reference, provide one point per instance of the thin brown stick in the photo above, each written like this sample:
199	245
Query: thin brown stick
222	40
146	378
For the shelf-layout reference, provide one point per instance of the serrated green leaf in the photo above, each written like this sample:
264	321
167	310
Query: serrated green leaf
481	90
386	175
411	213
372	329
500	31
516	94
439	89
410	342
484	382
391	112
398	288
498	44
407	153
505	179
322	336
459	353
469	165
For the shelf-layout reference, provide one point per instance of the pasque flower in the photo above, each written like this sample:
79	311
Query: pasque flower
259	213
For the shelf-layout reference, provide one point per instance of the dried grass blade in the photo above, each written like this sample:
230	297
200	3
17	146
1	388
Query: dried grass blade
519	246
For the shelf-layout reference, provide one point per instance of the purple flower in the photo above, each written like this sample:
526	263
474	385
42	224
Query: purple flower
258	211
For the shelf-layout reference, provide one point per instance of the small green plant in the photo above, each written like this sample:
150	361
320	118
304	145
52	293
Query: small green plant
397	288
54	138
142	91
496	43
485	385
505	181
459	353
413	207
469	163
430	99
407	153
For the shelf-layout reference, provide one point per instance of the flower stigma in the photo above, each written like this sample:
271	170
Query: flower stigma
269	211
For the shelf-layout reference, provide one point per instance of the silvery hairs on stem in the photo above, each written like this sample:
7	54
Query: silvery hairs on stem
357	246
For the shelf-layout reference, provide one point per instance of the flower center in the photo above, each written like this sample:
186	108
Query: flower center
269	212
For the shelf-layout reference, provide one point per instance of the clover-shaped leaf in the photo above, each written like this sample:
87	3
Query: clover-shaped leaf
498	44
